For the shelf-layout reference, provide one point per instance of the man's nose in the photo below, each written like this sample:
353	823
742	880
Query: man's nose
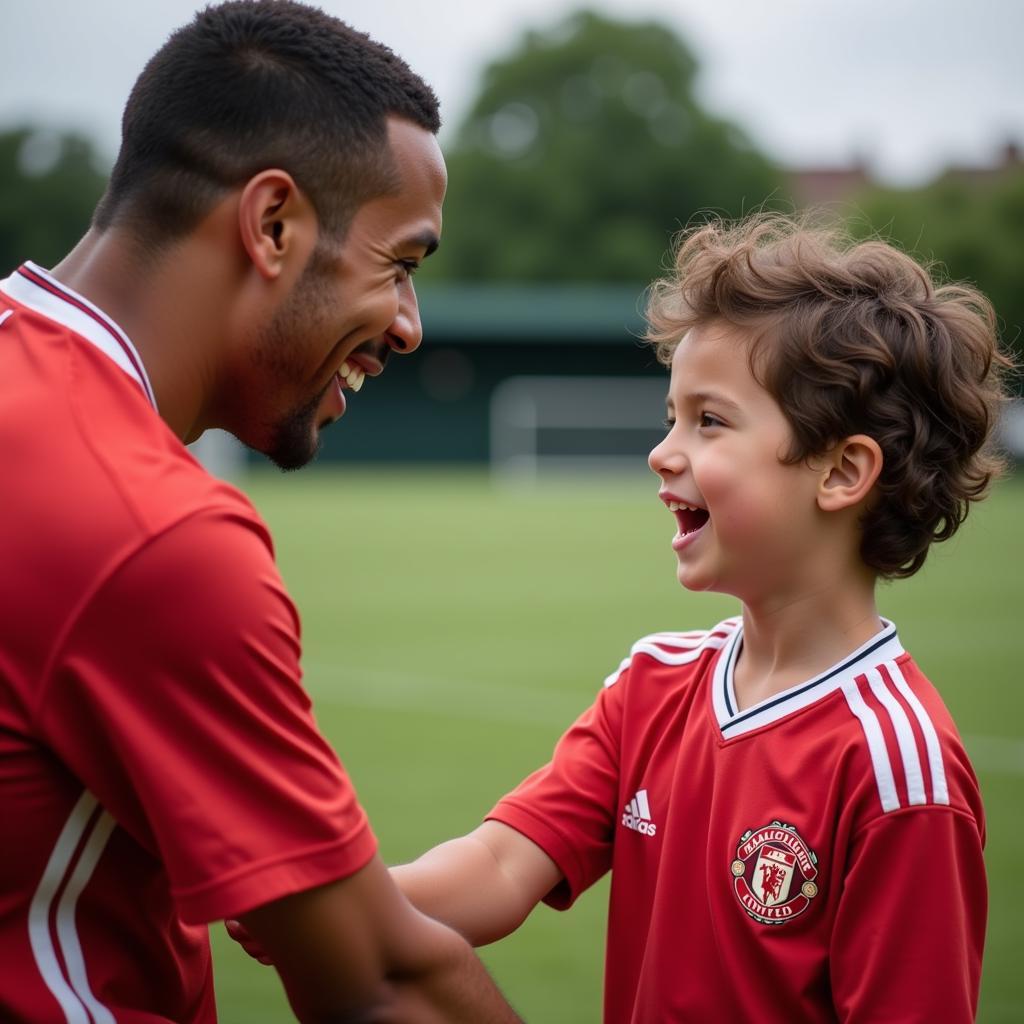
406	332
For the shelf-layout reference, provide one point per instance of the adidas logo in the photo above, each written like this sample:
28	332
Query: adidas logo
637	815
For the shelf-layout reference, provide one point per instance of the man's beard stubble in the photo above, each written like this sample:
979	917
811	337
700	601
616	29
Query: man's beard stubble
294	440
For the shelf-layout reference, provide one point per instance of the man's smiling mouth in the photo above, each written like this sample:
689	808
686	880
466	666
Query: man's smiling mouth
351	376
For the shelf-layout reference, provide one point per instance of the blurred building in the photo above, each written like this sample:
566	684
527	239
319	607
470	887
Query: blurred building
531	377
816	186
1011	161
824	185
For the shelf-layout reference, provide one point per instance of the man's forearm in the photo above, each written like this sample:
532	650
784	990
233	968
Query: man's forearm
456	989
357	951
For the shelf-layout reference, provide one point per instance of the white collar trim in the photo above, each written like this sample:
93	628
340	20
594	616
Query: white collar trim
65	306
883	646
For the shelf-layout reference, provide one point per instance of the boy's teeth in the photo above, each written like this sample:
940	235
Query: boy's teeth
675	506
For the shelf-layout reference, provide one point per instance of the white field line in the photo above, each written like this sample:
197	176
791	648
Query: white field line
530	704
445	696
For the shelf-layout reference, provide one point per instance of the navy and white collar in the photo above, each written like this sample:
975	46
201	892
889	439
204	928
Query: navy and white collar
33	287
883	646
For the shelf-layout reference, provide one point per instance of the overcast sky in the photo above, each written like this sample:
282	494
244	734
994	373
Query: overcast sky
909	85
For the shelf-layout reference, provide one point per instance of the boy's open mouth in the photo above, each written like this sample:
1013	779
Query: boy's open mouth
689	517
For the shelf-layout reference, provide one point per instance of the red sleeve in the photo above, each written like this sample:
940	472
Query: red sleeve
568	807
176	700
910	928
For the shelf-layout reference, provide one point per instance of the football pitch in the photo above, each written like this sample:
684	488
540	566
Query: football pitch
452	630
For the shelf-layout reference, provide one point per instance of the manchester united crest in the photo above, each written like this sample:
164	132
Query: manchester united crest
774	873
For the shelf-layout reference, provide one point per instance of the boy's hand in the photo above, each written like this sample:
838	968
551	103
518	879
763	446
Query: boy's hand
245	939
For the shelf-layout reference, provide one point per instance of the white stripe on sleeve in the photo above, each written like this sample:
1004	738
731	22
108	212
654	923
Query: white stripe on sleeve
39	911
876	746
67	932
76	1000
940	790
904	736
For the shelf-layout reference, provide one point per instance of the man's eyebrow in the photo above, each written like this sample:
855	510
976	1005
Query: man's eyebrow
425	240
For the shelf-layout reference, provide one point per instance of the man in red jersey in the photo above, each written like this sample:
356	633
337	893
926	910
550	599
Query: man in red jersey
278	183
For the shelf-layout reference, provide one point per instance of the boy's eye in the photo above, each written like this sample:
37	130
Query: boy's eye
707	420
668	423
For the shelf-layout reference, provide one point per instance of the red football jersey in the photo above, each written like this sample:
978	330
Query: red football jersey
816	857
159	763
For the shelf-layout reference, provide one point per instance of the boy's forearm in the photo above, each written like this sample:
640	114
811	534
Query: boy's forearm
483	885
461	884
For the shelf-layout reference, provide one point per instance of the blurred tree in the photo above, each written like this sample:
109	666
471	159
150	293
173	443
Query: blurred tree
973	229
584	153
49	184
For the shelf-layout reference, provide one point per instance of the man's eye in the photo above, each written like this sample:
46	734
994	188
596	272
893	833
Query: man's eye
408	268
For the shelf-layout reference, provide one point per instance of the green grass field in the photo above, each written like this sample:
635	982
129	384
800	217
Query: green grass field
451	632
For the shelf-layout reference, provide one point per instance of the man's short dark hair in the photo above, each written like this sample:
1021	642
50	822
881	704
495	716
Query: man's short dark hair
254	84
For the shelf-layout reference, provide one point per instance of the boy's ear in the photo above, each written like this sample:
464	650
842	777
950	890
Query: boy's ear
850	471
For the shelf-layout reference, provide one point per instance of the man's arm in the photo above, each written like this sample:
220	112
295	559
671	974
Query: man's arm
356	950
483	884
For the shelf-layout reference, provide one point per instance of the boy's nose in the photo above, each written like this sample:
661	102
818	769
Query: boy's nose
665	460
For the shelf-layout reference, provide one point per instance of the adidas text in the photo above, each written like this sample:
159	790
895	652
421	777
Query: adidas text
647	828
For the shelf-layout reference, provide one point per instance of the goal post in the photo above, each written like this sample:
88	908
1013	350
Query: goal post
546	426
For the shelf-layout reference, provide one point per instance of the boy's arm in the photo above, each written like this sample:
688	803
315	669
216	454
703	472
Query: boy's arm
486	883
910	928
483	884
356	950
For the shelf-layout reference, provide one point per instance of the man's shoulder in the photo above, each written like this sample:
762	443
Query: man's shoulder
85	442
148	479
174	490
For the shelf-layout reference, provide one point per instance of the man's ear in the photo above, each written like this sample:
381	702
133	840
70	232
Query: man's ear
276	222
850	471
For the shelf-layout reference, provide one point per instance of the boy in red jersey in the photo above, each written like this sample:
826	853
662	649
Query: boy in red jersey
793	827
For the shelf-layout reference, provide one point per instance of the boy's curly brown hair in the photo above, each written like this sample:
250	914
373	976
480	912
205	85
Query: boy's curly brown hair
854	339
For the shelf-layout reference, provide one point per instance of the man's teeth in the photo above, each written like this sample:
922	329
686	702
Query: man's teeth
352	375
675	506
